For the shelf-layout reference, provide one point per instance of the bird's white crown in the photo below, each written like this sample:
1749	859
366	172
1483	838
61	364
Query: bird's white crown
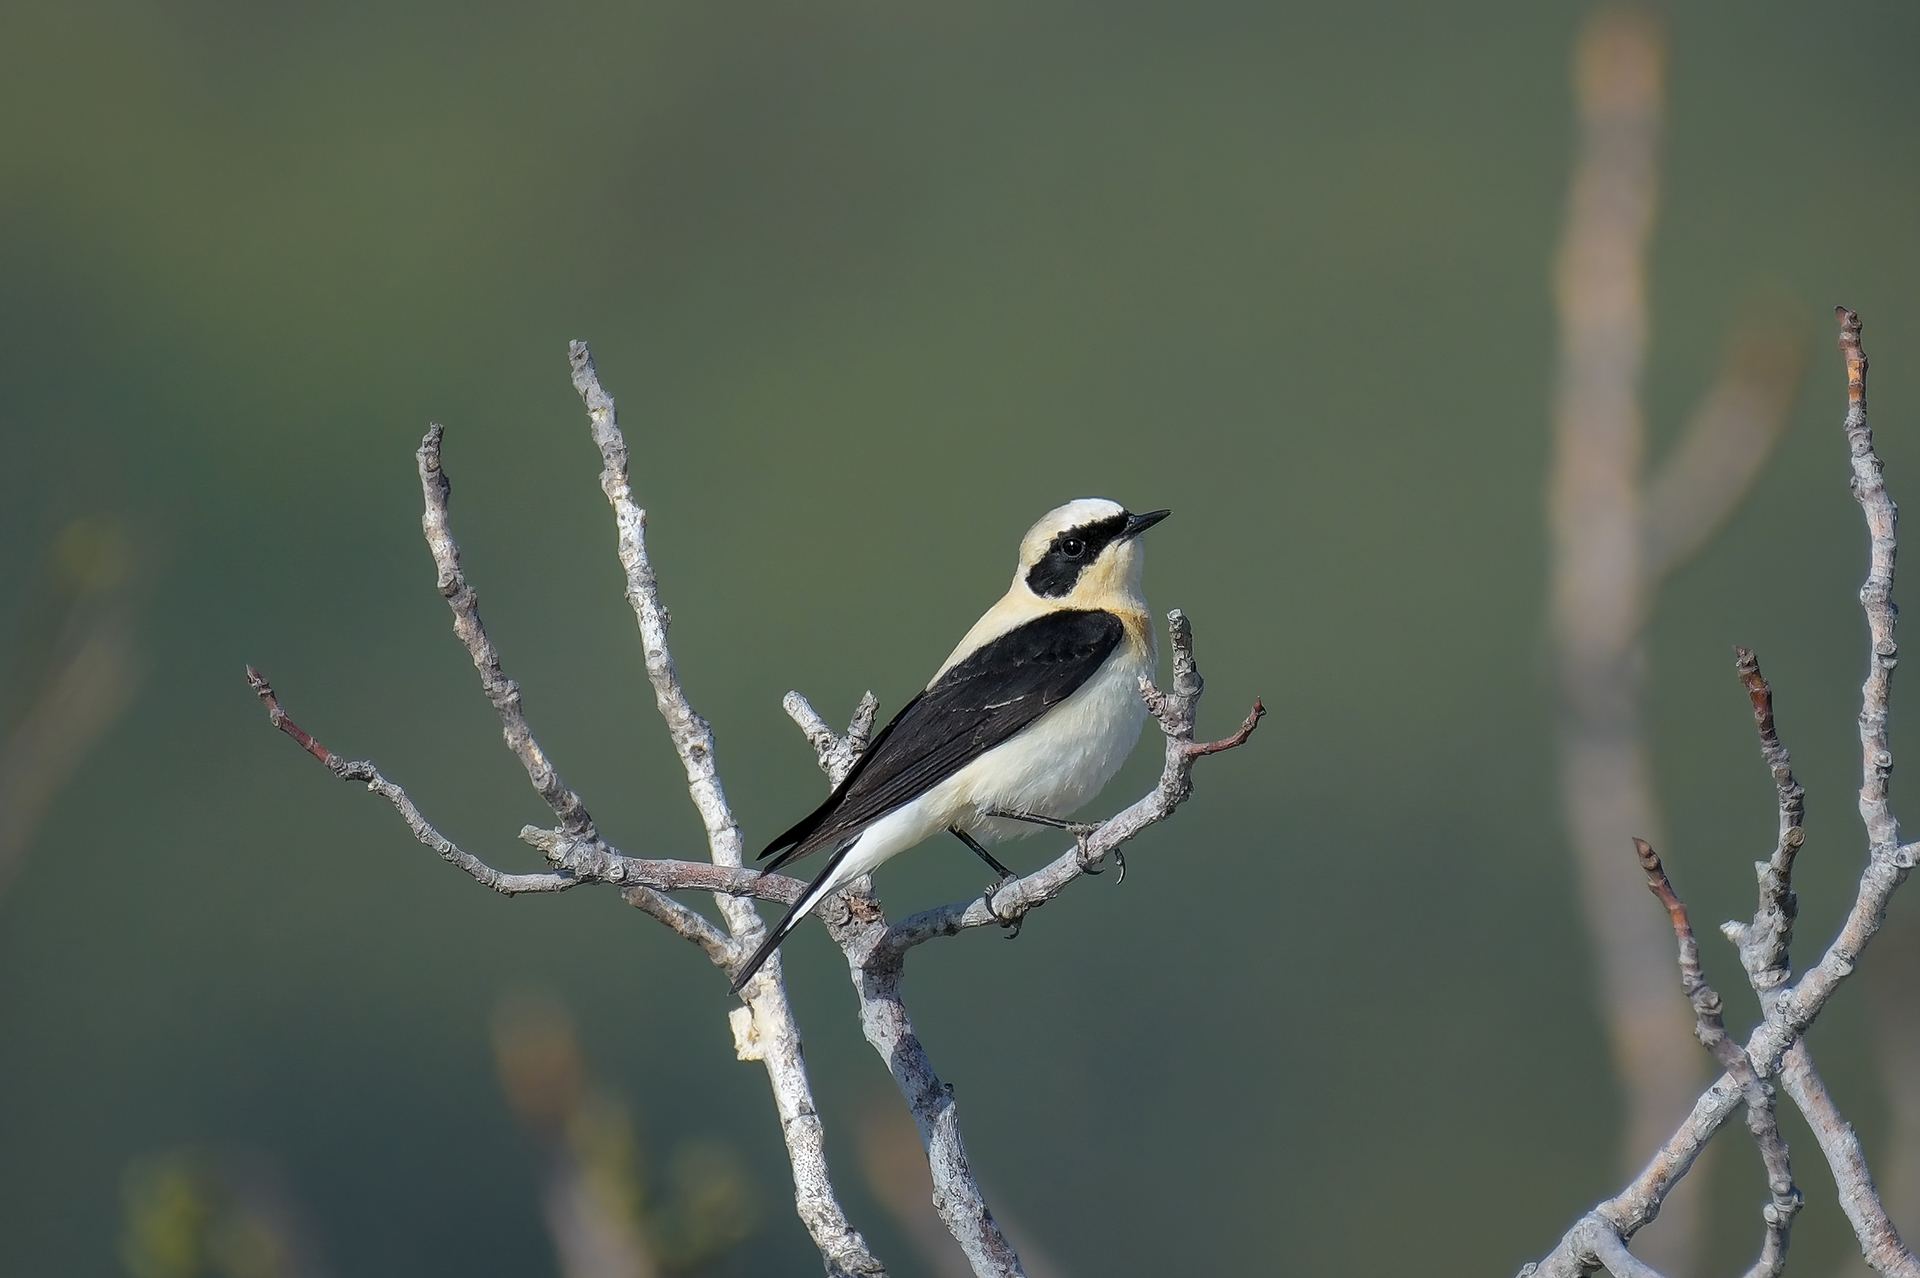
1075	514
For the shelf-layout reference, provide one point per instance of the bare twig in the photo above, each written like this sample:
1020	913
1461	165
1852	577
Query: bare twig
956	1191
836	753
1763	943
1879	1241
774	1038
1710	1028
1888	862
366	773
1895	1014
896	1173
895	1170
1776	1045
1611	1250
464	602
590	861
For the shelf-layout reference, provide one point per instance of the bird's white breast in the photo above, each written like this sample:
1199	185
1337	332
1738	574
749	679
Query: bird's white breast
1049	768
1060	762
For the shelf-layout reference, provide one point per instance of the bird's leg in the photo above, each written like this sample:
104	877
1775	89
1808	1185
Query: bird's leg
981	852
1006	876
1080	830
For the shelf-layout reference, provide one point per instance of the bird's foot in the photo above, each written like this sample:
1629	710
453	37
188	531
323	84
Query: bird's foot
1081	832
1090	865
1009	923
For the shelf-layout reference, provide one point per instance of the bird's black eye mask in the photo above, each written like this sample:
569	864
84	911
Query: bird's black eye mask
1069	554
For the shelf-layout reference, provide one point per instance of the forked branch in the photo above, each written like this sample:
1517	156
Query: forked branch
764	1027
1776	1046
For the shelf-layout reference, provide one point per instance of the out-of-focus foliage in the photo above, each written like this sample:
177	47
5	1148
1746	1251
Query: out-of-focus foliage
74	669
607	1217
190	1215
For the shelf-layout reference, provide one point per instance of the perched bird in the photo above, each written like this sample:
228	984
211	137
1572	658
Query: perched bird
1028	719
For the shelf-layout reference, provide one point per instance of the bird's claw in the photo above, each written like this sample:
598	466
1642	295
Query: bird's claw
1014	921
1082	832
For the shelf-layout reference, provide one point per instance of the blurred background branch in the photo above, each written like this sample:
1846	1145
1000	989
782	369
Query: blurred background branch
599	1203
75	675
1616	535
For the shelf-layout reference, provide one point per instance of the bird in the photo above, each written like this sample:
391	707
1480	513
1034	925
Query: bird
1029	718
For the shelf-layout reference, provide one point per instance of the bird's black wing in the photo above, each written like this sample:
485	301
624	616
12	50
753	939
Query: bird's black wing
1000	688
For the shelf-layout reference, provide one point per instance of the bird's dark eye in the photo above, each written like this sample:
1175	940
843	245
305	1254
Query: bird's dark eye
1072	547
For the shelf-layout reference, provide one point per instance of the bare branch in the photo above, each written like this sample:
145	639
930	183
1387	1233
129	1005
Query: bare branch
956	1193
719	948
1876	596
362	771
1611	1250
836	754
1776	1045
583	857
503	692
692	735
775	1037
1238	738
584	860
597	861
1879	1240
764	1028
1710	1028
1888	862
1763	943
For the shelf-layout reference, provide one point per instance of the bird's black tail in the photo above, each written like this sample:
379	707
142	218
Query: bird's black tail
808	899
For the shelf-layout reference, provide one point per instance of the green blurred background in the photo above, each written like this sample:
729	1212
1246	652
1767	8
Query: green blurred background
875	284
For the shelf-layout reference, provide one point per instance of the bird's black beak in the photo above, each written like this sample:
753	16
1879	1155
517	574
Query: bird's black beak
1137	524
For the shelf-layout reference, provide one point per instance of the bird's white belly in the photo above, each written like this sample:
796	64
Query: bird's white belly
1049	768
1061	761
